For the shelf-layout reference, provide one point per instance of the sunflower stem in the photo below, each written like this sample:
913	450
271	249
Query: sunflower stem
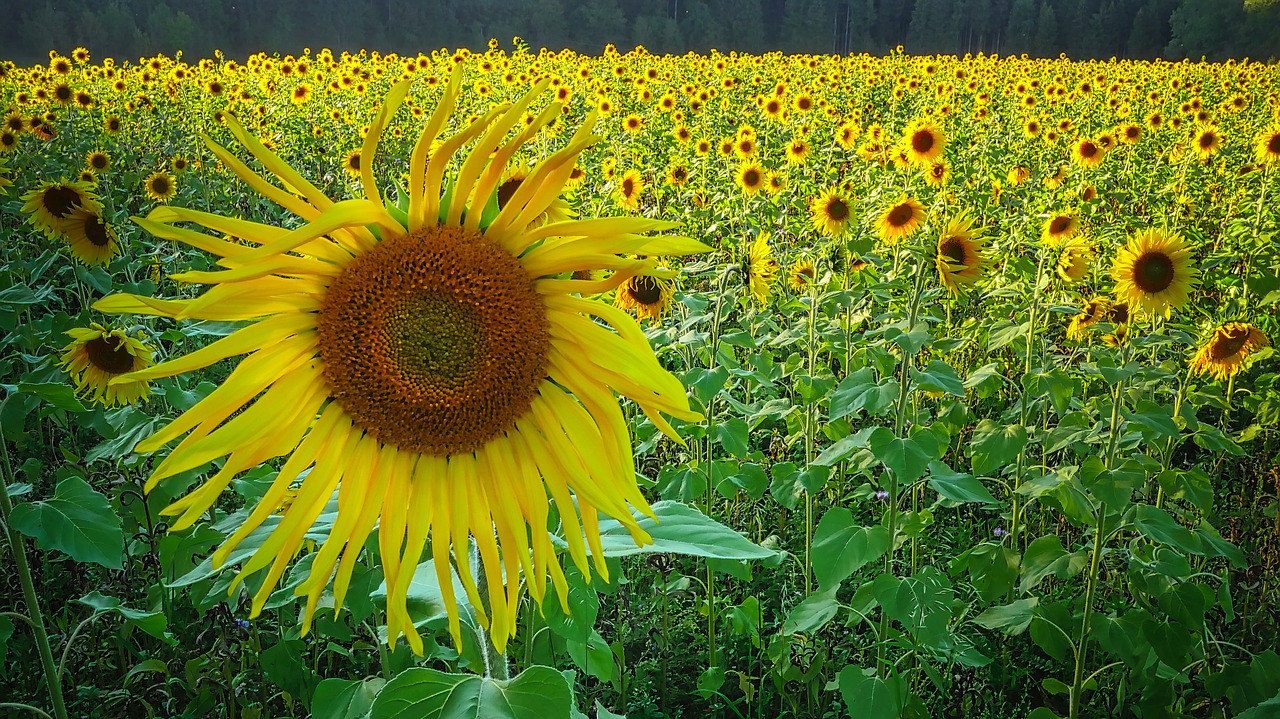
34	616
495	662
809	422
1025	409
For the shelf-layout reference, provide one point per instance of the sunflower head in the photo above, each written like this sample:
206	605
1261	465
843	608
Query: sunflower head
900	220
1267	147
52	204
923	142
647	296
160	186
1075	257
961	254
90	238
750	177
99	359
1087	152
630	188
1059	228
1154	272
803	274
760	268
831	212
1094	311
1225	352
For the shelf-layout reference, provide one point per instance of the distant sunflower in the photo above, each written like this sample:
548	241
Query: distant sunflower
160	186
1087	153
427	361
98	360
1075	258
802	274
1017	175
750	177
831	212
961	254
677	175
900	220
647	297
1094	311
52	203
1154	271
98	161
937	174
630	187
1224	354
923	142
797	151
90	238
1206	141
759	268
1058	229
351	164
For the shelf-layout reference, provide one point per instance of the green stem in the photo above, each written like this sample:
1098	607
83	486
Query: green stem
1095	559
808	440
1026	411
36	619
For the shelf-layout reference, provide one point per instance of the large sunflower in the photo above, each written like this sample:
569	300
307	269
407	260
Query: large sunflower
90	238
1267	146
1224	353
431	361
52	204
1153	272
961	255
99	360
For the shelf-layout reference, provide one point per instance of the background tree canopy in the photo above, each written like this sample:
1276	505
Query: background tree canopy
1171	29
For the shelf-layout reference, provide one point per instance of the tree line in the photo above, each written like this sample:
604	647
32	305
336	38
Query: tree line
1143	29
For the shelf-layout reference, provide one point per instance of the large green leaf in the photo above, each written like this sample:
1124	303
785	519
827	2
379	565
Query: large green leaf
995	446
60	395
77	520
938	377
841	547
813	613
868	697
908	458
345	698
1046	556
860	391
680	529
1011	618
420	693
153	623
958	486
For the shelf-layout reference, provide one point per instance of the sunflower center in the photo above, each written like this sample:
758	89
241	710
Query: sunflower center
1153	272
1059	225
922	141
837	210
900	215
109	355
60	201
1228	342
1273	144
506	190
435	341
160	186
1088	149
96	230
645	290
953	249
751	178
628	187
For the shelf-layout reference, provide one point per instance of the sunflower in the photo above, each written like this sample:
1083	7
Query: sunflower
802	274
431	360
797	151
1087	153
161	186
1153	272
90	238
760	268
1206	142
1118	316
961	253
937	174
1075	257
923	142
1267	149
51	204
647	296
98	161
351	164
1094	311
750	177
1223	355
98	360
830	212
1017	175
1058	229
5	182
901	220
630	187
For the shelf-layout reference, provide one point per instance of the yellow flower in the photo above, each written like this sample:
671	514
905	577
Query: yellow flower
961	253
1223	355
630	188
429	362
52	204
830	212
1087	153
1206	142
1267	149
750	177
1154	272
1058	229
647	296
923	142
803	274
1075	257
99	360
90	238
900	220
161	186
1095	311
760	268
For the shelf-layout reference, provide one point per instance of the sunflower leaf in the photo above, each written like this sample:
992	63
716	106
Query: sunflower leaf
680	529
536	693
76	520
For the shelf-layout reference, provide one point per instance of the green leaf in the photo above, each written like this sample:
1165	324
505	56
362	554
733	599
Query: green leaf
680	529
938	377
783	487
1012	619
285	666
77	520
906	458
60	395
1158	526
993	568
813	613
345	698
733	436
1269	709
419	693
922	602
153	623
1046	556
868	697
1155	420
958	486
6	631
910	342
995	446
706	382
841	547
860	391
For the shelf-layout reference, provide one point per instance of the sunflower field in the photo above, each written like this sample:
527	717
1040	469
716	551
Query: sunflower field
535	384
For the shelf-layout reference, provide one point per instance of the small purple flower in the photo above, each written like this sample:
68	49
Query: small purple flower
882	494
242	623
999	532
